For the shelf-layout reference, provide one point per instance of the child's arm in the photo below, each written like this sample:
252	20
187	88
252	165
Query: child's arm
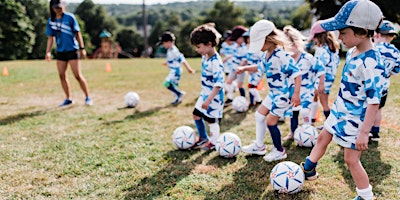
321	86
363	136
296	95
249	68
210	97
187	66
227	58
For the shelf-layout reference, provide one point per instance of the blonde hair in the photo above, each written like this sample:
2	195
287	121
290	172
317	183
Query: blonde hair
328	38
295	37
278	38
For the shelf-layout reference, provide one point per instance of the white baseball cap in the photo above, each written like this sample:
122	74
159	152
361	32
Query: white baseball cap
258	32
357	13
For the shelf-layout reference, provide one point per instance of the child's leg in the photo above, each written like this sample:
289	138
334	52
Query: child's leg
272	124
294	121
360	176
170	86
240	80
229	87
201	127
256	94
214	131
324	99
258	147
324	138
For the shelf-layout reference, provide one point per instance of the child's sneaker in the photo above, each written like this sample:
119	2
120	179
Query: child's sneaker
200	143
88	101
66	102
358	198
290	136
309	175
179	98
254	149
275	155
208	146
374	137
228	102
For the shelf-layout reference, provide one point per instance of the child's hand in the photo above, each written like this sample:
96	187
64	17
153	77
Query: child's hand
362	141
321	88
192	71
239	70
205	105
295	100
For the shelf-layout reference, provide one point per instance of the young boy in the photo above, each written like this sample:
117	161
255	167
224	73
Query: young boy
391	60
174	60
359	95
210	104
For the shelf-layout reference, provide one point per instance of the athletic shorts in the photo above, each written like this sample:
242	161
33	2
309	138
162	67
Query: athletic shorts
68	55
210	120
383	100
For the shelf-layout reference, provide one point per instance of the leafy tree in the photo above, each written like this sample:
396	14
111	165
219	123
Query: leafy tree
16	31
301	18
130	39
184	39
225	15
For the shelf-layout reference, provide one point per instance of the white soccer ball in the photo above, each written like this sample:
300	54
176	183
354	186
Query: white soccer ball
228	145
306	135
287	177
131	99
240	104
184	137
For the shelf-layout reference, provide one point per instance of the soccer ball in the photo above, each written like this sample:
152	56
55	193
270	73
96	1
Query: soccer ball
306	135
131	99
287	177
228	145
240	104
184	137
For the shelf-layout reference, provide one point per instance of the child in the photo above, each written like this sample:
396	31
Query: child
174	60
327	52
311	70
391	60
238	58
284	82
357	102
210	104
228	49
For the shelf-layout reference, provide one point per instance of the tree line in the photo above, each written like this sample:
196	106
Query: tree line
23	24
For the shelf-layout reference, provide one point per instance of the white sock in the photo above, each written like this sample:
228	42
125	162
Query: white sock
261	127
255	93
305	115
229	90
365	193
314	107
214	132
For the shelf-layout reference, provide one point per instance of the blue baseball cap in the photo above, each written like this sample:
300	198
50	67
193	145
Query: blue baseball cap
387	27
357	13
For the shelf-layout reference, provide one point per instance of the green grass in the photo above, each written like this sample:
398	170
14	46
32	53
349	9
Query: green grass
105	152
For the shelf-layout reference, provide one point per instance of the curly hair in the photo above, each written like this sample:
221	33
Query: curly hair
204	34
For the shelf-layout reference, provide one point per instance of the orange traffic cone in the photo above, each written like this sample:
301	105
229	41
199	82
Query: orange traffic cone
260	85
108	67
5	71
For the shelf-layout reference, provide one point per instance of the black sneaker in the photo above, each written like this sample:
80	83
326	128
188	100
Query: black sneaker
200	143
374	137
309	175
228	102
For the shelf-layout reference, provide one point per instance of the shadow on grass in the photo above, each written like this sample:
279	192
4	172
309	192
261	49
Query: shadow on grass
137	114
231	119
21	116
178	167
377	170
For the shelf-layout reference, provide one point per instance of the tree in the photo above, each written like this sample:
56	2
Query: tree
225	15
16	31
129	40
301	18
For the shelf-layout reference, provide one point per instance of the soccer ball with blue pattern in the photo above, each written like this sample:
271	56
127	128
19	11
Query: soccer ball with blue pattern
184	137
131	99
228	145
306	135
240	104
287	177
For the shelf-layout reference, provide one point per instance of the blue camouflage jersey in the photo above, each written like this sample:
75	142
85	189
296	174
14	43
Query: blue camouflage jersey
390	56
226	51
361	85
311	70
331	62
280	71
174	63
212	75
240	55
254	59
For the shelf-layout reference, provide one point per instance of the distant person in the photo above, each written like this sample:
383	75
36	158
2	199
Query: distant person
210	104
391	59
64	27
174	60
227	51
357	102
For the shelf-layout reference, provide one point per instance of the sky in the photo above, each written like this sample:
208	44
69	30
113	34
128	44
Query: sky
129	1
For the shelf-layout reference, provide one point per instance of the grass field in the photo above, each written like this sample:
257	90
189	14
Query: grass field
107	152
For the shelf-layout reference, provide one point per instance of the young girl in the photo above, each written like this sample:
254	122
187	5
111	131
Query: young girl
64	27
327	52
210	104
174	60
228	49
311	70
357	102
391	59
284	81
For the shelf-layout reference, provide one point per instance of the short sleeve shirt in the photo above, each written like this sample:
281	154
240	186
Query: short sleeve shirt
391	60
64	30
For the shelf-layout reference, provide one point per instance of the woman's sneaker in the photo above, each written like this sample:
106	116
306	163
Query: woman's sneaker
88	101
309	175
66	102
254	149
275	155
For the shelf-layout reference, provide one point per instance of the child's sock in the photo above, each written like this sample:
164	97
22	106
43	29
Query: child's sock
229	90
260	128
242	92
365	193
309	165
256	94
174	89
251	98
326	113
214	132
276	136
375	129
294	121
306	116
201	128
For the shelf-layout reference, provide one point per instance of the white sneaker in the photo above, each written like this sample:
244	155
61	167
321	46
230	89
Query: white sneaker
275	155
254	149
